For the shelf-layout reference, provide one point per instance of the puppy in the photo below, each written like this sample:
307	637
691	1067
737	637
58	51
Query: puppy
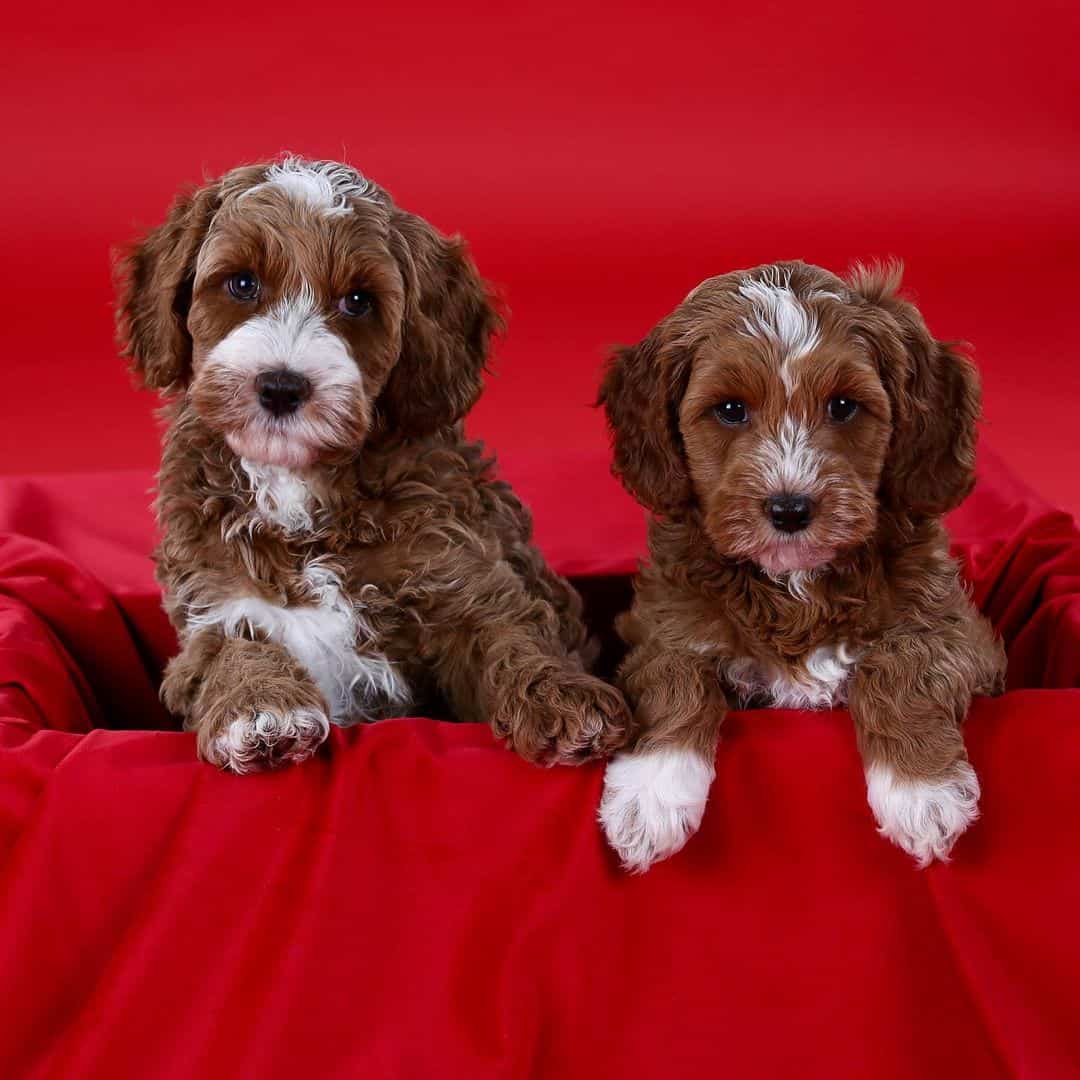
798	438
333	549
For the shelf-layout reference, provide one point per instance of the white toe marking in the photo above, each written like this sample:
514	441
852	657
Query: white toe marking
653	803
250	742
923	817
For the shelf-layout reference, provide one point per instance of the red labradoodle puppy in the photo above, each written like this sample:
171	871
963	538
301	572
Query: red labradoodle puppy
333	549
798	437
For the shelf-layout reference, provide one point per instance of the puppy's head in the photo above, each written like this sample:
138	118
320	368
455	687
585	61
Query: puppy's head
302	312
788	406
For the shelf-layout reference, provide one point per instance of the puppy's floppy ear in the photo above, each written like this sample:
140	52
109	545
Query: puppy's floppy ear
448	323
154	283
935	395
642	387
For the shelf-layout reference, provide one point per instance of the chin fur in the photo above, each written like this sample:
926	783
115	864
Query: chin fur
794	556
265	448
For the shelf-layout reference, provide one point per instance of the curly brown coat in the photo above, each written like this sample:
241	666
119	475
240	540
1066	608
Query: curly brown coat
356	557
727	406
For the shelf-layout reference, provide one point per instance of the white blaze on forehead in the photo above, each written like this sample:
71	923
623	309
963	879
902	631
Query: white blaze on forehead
325	186
789	464
779	317
293	334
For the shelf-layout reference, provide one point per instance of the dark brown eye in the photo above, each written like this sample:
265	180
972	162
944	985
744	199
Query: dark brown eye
356	304
243	286
732	412
842	409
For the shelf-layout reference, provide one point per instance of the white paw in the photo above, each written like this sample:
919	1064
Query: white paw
924	817
264	739
653	802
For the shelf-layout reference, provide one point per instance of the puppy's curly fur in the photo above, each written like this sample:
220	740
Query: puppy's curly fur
333	549
797	437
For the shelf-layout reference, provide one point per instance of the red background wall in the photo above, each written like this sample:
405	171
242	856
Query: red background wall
600	159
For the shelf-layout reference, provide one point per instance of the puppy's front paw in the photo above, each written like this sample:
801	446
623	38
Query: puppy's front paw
265	738
923	817
562	717
653	802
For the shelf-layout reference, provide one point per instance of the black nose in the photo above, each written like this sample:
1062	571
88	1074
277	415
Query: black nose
789	513
282	392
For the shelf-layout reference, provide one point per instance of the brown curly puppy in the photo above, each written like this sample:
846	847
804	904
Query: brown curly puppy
333	549
798	437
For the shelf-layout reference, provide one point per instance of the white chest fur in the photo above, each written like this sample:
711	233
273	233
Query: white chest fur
819	682
329	637
281	495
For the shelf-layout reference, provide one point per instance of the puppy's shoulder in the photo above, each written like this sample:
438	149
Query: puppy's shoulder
445	477
443	468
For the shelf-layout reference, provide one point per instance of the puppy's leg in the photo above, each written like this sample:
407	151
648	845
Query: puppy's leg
498	654
543	583
908	699
249	702
547	708
655	794
513	523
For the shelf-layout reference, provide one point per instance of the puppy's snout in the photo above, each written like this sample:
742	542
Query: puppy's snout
789	513
282	392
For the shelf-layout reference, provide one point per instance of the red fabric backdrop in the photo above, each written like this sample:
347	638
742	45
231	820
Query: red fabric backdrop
601	158
416	901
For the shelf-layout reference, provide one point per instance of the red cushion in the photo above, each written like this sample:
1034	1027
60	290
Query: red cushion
417	901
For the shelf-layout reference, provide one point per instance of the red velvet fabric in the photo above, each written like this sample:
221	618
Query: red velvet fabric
416	901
